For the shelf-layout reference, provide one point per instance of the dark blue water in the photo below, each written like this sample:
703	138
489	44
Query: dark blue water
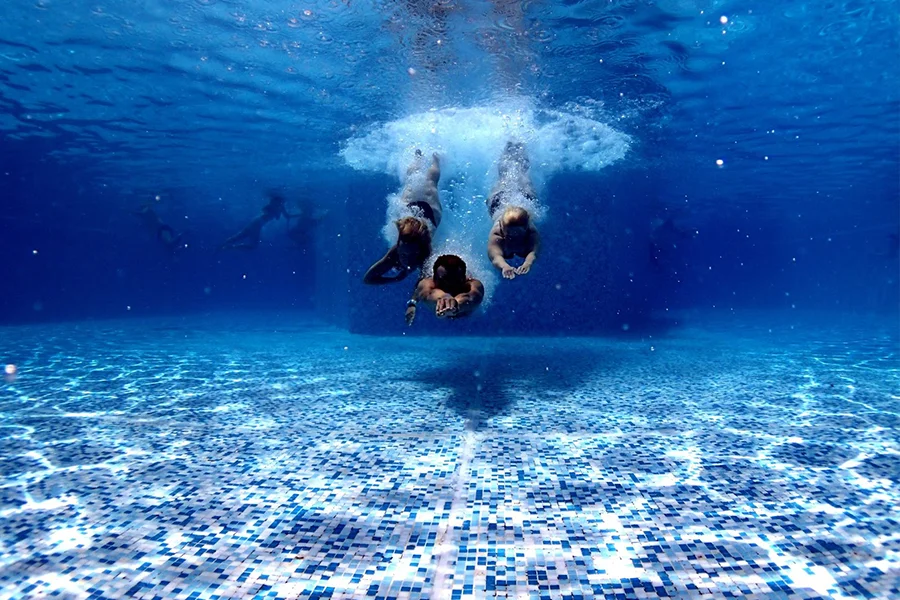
719	204
208	105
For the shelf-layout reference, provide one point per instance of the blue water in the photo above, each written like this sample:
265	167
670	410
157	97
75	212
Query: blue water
644	414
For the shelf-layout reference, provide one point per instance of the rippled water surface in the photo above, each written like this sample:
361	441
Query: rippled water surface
163	88
723	451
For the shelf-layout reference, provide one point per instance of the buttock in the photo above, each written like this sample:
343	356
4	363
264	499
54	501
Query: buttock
422	209
502	199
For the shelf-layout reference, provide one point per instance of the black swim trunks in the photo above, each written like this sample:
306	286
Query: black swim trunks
425	209
501	199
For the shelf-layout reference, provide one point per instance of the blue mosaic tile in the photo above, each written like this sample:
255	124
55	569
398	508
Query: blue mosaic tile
152	460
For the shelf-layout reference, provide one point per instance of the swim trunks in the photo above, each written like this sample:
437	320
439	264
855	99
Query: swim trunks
501	199
423	207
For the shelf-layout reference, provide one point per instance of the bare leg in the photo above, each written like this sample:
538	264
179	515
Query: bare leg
434	172
416	164
247	238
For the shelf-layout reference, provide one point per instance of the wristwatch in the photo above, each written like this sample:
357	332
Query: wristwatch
411	302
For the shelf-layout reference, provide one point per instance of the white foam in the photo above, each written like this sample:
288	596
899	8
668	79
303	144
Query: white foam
469	142
471	139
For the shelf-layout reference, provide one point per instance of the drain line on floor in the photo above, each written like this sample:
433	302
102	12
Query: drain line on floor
447	548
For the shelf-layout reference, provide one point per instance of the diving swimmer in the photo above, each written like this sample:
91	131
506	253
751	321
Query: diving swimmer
415	231
248	238
451	291
665	239
514	232
160	230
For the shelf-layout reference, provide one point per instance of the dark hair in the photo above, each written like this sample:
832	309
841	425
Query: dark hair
451	262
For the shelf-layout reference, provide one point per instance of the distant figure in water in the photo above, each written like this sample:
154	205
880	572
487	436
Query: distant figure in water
167	236
248	238
302	230
415	231
665	238
514	233
452	292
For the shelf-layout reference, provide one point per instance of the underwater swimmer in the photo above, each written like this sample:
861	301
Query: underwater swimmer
307	221
414	232
248	238
514	232
451	291
160	230
665	239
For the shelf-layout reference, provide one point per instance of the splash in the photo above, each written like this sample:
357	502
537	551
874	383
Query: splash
469	142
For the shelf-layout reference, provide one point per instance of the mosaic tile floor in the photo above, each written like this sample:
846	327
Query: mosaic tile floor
163	460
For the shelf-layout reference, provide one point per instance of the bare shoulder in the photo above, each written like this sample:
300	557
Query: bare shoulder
476	287
425	286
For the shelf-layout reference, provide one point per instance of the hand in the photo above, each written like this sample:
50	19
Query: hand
508	272
523	269
446	307
410	315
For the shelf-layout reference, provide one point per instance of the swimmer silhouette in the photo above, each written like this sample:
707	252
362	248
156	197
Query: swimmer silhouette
415	231
665	237
306	220
168	237
248	238
452	291
514	232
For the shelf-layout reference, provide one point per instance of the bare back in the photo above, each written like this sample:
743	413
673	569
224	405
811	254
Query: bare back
422	188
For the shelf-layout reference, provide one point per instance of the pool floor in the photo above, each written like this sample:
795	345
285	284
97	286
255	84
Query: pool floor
227	458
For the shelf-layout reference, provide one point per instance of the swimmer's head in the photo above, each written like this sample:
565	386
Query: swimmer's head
276	203
515	221
413	241
449	270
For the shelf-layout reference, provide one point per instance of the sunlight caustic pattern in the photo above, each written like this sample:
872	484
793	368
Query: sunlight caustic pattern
205	462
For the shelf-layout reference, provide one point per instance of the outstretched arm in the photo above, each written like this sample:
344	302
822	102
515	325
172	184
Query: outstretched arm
532	254
386	270
424	292
495	253
247	238
443	304
469	301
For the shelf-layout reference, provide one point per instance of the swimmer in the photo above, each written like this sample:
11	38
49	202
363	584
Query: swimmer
665	238
160	230
414	232
248	238
451	291
306	222
514	233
